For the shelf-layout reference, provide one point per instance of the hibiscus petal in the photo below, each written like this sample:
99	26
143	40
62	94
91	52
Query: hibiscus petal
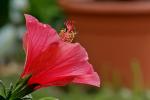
70	60
37	39
91	79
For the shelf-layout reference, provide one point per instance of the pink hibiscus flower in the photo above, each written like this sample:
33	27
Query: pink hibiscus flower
53	62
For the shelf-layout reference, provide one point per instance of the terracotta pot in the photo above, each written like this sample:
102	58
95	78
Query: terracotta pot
114	34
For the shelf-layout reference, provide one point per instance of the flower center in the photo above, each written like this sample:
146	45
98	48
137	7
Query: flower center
68	34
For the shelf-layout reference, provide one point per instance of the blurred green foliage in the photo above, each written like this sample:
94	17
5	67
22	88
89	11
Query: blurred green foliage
47	11
4	8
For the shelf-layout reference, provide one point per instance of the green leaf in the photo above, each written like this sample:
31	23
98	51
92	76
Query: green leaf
27	97
18	99
2	98
9	92
22	99
3	87
49	98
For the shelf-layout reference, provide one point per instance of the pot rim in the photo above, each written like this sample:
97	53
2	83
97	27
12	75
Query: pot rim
126	7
